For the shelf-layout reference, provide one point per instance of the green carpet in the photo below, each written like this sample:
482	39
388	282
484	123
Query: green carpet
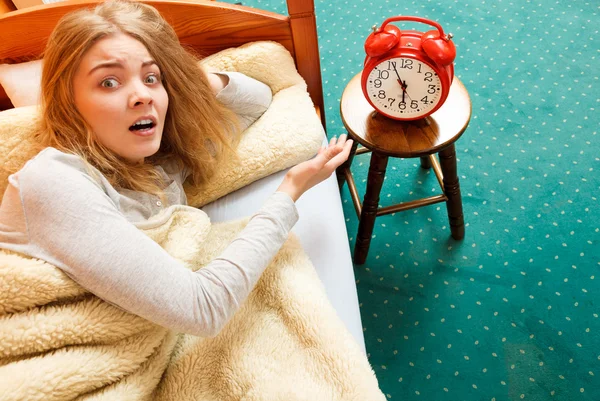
511	312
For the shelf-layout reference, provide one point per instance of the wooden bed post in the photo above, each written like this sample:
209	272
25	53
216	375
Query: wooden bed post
306	49
6	6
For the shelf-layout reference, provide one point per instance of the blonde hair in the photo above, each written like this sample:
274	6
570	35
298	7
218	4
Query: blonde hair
198	130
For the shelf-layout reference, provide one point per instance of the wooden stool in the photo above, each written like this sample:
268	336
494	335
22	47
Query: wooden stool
386	138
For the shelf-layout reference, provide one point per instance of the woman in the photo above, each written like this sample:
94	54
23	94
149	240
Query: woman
127	117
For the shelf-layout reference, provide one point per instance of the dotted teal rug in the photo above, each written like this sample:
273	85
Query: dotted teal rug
510	312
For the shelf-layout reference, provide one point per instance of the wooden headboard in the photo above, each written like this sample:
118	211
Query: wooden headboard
207	26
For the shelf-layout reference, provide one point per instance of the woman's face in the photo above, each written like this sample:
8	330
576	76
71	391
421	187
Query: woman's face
119	92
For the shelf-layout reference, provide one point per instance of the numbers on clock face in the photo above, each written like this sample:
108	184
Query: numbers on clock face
404	87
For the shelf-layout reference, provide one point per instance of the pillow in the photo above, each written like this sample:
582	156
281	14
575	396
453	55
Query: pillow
16	140
288	133
21	82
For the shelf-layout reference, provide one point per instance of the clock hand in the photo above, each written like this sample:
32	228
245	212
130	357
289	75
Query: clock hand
402	84
400	81
405	93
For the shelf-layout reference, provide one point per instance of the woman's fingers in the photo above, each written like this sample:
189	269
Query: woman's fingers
341	156
307	174
336	145
335	153
338	141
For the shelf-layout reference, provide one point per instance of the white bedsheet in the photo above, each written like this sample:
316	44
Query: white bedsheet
322	231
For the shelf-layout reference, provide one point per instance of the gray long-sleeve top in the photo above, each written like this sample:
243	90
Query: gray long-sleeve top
55	211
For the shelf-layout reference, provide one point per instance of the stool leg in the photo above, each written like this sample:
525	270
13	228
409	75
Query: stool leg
369	207
340	171
425	162
452	191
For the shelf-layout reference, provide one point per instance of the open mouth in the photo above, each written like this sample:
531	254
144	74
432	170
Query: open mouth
142	125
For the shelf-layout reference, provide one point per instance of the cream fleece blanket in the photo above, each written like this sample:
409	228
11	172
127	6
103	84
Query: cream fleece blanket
60	342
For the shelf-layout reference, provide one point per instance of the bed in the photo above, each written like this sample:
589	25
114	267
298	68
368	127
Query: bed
210	27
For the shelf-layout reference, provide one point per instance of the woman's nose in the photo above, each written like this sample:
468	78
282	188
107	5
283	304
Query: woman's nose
140	95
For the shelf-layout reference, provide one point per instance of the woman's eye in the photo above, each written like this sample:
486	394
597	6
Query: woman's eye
109	83
152	79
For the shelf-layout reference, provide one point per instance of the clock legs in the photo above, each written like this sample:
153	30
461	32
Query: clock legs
370	205
452	191
340	171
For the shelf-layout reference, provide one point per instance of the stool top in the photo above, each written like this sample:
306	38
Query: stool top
405	138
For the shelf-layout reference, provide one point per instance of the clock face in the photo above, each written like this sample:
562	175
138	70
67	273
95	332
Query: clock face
404	88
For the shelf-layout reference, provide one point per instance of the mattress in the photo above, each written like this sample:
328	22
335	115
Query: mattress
322	231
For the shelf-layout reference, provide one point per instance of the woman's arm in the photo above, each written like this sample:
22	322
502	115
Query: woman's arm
217	82
247	97
73	224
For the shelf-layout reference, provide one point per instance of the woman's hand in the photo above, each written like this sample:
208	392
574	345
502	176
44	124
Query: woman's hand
306	175
216	81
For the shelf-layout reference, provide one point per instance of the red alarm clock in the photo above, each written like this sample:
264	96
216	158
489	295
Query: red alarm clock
407	74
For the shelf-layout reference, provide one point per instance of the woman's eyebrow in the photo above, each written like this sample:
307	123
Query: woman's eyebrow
106	64
118	64
149	62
